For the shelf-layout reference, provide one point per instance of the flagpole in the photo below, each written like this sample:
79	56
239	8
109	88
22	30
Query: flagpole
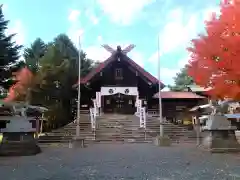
79	88
159	91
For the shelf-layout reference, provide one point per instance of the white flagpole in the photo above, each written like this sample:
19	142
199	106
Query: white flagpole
79	89
159	91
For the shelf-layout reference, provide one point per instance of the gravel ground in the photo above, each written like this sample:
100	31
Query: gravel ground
122	161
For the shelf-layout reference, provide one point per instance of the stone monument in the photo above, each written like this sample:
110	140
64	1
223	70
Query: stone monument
19	132
221	134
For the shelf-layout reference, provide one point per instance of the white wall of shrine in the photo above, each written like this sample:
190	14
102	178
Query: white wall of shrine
106	91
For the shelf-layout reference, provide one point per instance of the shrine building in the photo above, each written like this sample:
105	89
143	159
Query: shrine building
120	81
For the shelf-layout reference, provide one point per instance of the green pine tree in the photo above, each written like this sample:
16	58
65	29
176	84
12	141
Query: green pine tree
9	53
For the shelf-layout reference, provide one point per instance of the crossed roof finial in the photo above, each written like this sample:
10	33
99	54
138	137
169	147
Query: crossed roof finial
119	49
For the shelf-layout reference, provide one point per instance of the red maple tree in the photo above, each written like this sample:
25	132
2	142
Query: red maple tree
215	56
23	80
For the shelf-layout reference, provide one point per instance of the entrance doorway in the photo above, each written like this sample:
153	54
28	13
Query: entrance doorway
119	103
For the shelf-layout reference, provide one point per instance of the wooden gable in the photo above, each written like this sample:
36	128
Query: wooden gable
123	57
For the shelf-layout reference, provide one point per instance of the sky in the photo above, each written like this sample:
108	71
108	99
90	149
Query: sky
144	23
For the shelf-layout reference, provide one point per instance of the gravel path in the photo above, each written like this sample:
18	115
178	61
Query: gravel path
122	161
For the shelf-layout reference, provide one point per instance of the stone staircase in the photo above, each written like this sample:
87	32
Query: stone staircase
114	127
125	128
66	133
119	128
176	133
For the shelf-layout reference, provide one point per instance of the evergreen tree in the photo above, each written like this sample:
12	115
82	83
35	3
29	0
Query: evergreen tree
181	80
33	54
9	53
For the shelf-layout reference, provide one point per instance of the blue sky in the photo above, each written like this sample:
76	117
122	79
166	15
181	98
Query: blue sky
116	22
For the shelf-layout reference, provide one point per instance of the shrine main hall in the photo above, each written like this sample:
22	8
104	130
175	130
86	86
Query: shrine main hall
120	81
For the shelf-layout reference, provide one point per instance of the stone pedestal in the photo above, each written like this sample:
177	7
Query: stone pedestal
162	141
221	141
237	134
77	142
221	135
19	144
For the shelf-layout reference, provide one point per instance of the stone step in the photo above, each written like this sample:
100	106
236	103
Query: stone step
64	140
81	124
121	128
58	135
54	140
73	129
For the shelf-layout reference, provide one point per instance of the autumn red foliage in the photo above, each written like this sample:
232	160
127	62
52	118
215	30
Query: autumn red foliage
23	80
215	56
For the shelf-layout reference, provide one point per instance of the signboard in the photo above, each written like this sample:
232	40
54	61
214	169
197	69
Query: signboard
98	99
94	103
139	105
136	102
96	111
95	107
142	117
93	118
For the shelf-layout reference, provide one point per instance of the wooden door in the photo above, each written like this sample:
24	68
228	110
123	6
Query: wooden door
119	103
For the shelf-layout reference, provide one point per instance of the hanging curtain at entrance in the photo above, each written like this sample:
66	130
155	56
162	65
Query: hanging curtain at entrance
132	91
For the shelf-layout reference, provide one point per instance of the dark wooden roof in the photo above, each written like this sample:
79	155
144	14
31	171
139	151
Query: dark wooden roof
178	95
111	59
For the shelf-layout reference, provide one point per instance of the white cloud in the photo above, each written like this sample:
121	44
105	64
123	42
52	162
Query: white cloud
167	75
137	57
74	15
99	38
74	33
75	30
123	11
176	33
97	53
175	14
93	18
153	58
17	28
207	13
183	62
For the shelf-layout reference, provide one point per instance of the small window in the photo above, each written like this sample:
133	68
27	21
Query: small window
118	73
